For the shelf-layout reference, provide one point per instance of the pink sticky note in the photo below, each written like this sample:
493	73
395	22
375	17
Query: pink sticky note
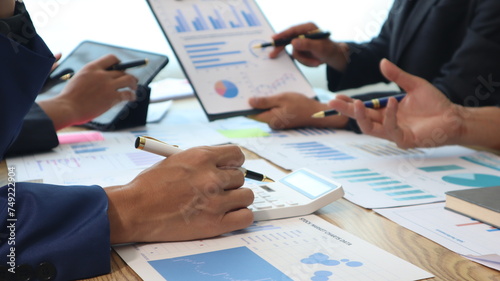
76	137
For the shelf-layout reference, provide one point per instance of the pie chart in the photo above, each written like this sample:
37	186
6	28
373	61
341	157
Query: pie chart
473	180
226	89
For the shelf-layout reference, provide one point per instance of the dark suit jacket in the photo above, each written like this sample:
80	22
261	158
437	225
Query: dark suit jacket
60	231
454	44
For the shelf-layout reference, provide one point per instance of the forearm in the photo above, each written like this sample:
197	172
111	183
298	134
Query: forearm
340	60
6	8
481	127
59	112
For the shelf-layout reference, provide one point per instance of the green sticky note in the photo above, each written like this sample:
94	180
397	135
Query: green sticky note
244	133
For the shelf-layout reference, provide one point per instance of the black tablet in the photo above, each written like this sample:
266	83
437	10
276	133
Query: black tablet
88	51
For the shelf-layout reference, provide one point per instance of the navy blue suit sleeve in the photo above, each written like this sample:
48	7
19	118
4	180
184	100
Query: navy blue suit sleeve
364	59
472	76
35	124
62	226
66	226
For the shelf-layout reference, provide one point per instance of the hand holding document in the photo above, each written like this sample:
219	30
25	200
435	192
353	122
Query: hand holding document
214	42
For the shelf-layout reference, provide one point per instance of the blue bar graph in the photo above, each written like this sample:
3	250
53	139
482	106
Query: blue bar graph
213	55
381	183
318	151
210	18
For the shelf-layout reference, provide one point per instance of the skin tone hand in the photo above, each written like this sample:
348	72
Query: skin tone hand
313	52
293	110
190	195
425	117
91	92
7	8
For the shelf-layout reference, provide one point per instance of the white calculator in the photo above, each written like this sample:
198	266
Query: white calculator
299	193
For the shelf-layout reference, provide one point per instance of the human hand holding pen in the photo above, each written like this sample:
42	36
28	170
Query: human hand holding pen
312	52
91	92
186	196
425	117
164	149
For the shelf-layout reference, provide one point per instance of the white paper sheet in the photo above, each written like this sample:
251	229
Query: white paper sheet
301	248
474	240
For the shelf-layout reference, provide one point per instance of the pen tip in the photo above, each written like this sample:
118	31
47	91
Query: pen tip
320	114
257	46
266	179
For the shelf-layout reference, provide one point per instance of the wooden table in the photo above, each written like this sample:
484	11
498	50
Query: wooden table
368	225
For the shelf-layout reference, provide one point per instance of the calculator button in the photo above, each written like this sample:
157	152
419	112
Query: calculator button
258	200
264	194
263	206
279	204
293	203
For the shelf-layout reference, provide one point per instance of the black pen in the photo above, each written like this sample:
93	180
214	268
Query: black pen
127	65
286	41
158	147
374	103
68	72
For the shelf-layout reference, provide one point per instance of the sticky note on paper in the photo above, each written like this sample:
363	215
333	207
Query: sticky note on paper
76	137
244	133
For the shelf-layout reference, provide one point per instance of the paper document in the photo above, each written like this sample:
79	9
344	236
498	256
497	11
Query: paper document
300	248
110	160
410	181
214	42
474	240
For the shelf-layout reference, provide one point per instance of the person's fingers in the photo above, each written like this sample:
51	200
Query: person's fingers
345	108
126	95
236	199
344	98
125	81
390	123
291	33
263	102
104	62
228	155
395	74
56	62
236	220
364	122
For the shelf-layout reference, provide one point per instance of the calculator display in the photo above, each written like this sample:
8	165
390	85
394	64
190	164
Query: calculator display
307	184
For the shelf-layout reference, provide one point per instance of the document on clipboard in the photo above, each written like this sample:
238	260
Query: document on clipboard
214	42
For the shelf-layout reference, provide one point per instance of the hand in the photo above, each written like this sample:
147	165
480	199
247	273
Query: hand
56	62
190	195
313	52
292	110
91	92
424	118
7	8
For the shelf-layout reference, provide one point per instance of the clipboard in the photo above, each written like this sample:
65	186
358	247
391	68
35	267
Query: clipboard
214	43
125	114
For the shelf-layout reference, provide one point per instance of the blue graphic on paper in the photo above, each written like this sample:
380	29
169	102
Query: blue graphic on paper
224	265
320	258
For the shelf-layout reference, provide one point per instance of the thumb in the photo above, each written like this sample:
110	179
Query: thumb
262	102
395	74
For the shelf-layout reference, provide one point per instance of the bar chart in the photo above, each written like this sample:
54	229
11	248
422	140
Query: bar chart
392	187
213	55
216	16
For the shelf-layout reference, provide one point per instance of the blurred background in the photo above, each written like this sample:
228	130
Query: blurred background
129	23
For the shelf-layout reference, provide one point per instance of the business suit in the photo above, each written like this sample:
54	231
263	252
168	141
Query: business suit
454	44
59	232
